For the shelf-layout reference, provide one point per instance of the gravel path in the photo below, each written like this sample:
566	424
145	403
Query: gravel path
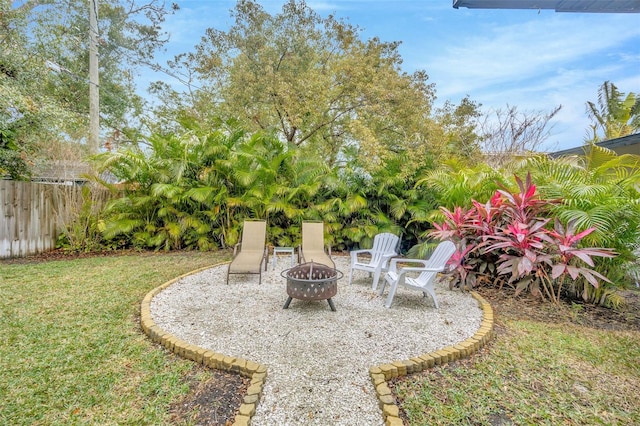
318	360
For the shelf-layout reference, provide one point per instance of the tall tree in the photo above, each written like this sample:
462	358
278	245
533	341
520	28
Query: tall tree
45	51
29	114
461	127
315	82
615	114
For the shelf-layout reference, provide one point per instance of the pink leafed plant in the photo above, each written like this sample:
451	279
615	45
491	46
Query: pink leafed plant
508	240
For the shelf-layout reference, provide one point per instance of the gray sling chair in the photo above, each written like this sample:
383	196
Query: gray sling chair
312	248
253	250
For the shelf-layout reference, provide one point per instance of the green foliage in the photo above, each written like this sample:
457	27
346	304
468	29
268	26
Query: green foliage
615	115
507	239
454	184
29	115
460	129
43	68
598	190
83	234
193	190
13	165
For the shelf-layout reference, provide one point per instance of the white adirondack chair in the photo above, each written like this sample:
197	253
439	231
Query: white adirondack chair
385	246
428	271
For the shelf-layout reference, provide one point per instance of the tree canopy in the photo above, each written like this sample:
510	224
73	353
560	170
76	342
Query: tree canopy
316	83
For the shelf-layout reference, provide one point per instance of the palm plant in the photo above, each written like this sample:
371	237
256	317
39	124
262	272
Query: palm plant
452	185
381	201
174	191
615	114
279	184
455	184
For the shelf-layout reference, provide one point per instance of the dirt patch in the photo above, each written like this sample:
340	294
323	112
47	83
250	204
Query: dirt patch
506	305
213	401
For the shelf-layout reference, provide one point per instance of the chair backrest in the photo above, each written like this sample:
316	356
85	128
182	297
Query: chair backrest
254	235
438	259
312	236
384	243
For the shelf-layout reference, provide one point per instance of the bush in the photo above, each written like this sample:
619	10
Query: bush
508	240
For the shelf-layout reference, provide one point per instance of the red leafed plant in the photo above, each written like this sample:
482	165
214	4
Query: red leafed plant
569	256
508	240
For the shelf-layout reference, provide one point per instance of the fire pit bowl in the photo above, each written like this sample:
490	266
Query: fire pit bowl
312	281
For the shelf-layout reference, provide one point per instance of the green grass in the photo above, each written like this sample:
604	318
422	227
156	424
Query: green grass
72	349
72	353
534	373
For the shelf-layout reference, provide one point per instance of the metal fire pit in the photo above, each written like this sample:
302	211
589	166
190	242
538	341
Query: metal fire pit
312	281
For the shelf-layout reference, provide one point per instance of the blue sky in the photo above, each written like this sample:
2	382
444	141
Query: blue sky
531	59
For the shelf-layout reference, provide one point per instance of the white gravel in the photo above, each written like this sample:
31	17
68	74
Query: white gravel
318	361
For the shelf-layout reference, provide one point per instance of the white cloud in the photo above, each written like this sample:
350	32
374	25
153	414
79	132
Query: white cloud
538	64
515	53
323	6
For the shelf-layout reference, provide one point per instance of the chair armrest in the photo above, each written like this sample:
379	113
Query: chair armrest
389	256
395	260
410	269
354	253
235	249
360	251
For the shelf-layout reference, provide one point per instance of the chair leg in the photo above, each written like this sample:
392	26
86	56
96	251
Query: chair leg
392	293
354	260
384	283
376	278
431	293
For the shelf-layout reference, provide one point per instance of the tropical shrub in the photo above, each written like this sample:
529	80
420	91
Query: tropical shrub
508	241
598	190
194	189
384	201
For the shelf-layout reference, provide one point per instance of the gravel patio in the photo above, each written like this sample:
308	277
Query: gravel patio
318	361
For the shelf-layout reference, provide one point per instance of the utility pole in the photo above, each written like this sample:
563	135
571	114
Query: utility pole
94	80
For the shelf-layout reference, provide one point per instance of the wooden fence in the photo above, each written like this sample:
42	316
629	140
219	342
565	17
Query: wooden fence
32	215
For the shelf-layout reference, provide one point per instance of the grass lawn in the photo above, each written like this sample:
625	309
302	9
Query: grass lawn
537	371
72	349
72	352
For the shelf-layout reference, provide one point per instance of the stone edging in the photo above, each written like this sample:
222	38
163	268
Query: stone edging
254	371
382	373
258	372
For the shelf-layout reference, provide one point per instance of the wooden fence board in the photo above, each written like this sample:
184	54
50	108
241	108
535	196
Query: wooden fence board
33	214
